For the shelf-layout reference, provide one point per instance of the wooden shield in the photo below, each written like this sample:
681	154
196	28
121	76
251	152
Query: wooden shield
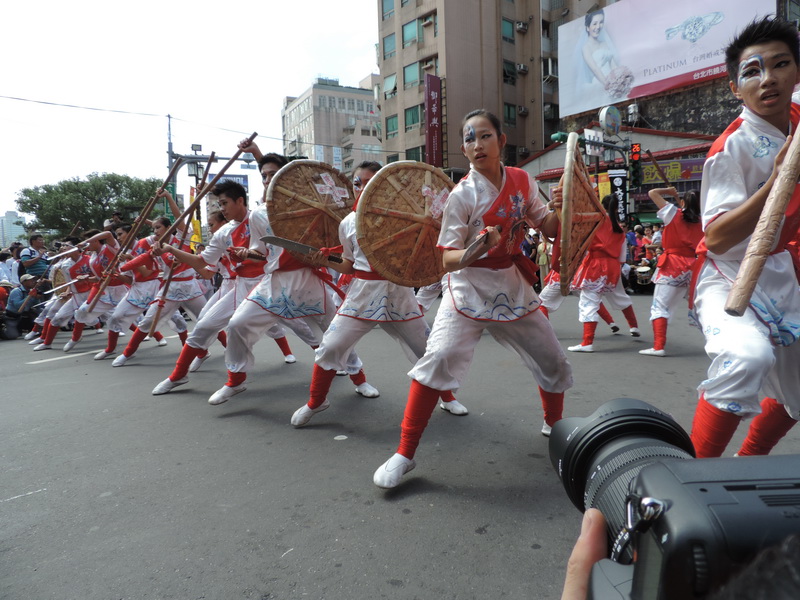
581	213
58	278
306	201
398	221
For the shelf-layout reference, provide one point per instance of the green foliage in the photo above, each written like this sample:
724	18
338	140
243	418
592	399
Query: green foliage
91	201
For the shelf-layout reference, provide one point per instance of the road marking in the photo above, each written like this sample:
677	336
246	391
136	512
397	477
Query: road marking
287	552
47	360
23	495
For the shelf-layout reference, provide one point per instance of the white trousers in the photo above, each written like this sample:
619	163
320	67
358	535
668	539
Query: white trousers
589	302
451	348
217	317
666	299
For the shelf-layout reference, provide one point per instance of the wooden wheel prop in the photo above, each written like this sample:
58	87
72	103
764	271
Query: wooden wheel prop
58	278
581	213
398	221
306	201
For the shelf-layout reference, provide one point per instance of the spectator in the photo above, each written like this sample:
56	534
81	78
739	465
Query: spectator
17	308
657	234
114	222
5	289
34	257
5	265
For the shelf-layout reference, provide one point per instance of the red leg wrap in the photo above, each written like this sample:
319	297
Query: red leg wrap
235	379
77	331
421	402
588	333
188	354
320	384
553	406
157	335
545	312
630	317
133	343
222	336
359	378
603	313
283	344
50	334
659	333
767	429
113	336
712	429
447	396
182	336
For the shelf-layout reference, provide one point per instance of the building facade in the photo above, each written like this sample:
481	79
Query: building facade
10	231
335	124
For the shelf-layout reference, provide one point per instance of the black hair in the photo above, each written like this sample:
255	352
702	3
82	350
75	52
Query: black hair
275	159
760	32
164	220
691	207
91	232
4	256
369	165
231	189
217	216
71	239
35	236
124	226
587	20
611	204
492	118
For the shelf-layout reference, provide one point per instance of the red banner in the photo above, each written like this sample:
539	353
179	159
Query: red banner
433	120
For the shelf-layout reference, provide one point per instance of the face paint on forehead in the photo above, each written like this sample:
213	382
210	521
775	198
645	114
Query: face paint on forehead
469	133
751	69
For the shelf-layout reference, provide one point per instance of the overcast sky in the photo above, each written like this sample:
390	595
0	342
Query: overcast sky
220	69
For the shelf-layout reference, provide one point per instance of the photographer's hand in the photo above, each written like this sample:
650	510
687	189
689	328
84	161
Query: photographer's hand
590	548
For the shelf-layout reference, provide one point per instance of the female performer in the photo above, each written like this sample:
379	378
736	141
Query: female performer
599	276
682	233
494	293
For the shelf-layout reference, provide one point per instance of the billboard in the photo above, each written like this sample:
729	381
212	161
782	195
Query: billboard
433	120
636	48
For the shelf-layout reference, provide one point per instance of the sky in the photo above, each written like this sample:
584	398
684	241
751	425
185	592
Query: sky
221	70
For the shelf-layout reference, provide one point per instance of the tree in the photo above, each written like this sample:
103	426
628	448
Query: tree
60	206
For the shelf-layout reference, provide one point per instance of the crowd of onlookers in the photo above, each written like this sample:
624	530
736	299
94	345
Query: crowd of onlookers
21	267
643	250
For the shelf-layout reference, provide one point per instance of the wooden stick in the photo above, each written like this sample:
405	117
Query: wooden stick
204	192
658	168
137	225
763	237
168	281
74	229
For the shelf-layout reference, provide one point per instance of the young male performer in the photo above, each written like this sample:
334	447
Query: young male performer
757	353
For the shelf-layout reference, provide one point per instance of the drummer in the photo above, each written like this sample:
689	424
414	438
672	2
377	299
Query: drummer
370	300
494	293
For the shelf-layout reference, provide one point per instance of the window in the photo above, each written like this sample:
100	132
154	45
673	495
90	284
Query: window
389	46
509	73
411	75
391	126
342	104
366	131
413	117
409	33
545	29
403	2
390	86
351	104
510	114
360	105
323	101
417	153
331	102
510	155
370	108
507	31
388	9
392	158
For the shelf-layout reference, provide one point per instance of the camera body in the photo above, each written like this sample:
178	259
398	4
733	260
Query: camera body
717	515
677	527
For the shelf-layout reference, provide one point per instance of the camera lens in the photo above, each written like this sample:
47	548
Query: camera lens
598	456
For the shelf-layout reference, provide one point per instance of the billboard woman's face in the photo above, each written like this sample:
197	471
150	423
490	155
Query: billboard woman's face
596	26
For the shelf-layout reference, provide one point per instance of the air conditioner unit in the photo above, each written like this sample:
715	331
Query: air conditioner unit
522	69
428	20
523	151
522	27
522	111
428	64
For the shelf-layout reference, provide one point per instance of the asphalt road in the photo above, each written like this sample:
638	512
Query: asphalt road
108	492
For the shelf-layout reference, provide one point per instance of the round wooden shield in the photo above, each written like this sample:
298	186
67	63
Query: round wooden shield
581	213
58	278
306	201
398	221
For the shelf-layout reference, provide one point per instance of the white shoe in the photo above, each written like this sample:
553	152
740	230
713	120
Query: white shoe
635	332
31	334
389	473
162	342
102	354
614	328
366	390
546	429
225	393
197	363
147	338
97	331
341	373
42	346
580	348
168	385
653	352
303	414
289	359
121	360
454	407
69	345
122	334
36	342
